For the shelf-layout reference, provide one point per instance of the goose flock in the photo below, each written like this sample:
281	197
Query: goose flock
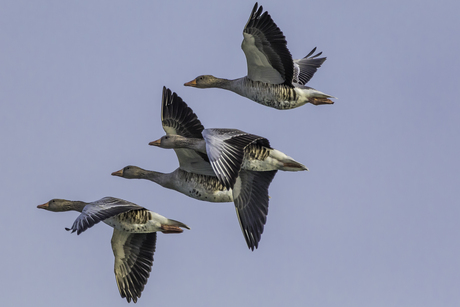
215	164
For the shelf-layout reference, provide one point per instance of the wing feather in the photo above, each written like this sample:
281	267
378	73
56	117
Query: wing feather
100	210
133	261
265	47
251	203
305	68
225	149
178	118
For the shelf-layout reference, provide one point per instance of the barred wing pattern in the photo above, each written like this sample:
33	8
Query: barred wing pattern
225	149
250	196
100	210
305	68
133	261
178	119
265	47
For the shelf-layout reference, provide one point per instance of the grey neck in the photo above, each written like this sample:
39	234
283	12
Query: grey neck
191	143
225	84
77	205
157	177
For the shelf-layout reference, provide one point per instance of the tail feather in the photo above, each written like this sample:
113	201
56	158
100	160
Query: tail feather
286	163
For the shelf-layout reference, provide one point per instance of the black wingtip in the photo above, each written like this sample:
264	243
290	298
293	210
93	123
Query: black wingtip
73	230
166	97
251	241
177	114
256	11
313	56
311	52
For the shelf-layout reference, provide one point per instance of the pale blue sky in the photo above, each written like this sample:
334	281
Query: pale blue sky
375	222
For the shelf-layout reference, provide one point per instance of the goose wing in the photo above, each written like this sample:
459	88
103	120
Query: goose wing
100	210
305	68
225	149
133	261
265	47
178	118
250	196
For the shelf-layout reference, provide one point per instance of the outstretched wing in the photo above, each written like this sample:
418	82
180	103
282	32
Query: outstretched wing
305	68
178	118
100	210
225	149
250	196
265	47
133	261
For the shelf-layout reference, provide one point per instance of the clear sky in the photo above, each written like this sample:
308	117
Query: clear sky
375	222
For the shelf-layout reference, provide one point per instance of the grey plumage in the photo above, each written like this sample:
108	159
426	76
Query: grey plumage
133	240
251	204
305	68
100	210
244	164
274	79
133	261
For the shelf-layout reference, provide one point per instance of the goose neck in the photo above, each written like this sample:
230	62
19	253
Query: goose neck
77	205
157	177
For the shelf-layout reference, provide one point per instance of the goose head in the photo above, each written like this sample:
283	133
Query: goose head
173	141
57	205
130	172
204	81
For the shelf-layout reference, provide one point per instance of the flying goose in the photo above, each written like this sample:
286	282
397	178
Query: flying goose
226	150
273	78
134	236
249	195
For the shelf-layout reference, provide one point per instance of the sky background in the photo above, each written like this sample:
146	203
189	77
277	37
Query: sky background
375	222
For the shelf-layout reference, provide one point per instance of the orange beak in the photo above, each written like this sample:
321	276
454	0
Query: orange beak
118	173
44	206
156	143
191	83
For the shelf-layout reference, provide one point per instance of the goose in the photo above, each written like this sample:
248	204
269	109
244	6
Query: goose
226	150
197	186
273	78
249	195
134	236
